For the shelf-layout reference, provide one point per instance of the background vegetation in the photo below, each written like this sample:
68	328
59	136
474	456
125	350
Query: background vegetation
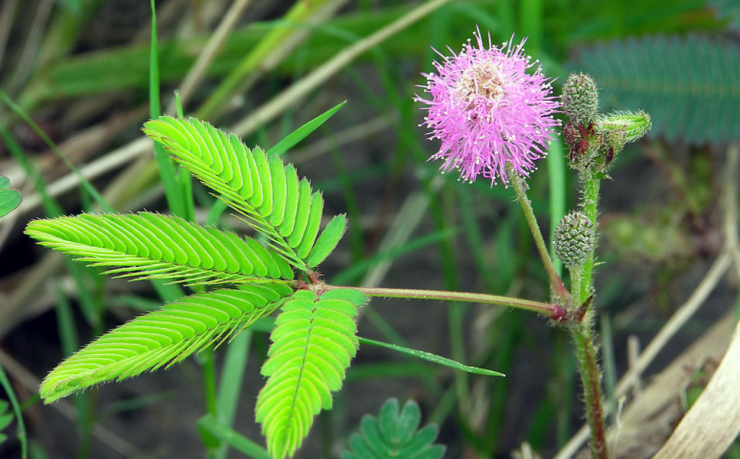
76	82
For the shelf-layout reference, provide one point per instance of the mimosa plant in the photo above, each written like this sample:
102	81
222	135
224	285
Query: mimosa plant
493	110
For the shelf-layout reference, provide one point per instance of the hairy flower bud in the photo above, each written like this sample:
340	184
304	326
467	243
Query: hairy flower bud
580	98
574	239
634	125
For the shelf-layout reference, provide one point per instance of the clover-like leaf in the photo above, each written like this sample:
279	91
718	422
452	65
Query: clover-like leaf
394	434
10	199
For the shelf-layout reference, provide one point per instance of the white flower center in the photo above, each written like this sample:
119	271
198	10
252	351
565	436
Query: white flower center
483	79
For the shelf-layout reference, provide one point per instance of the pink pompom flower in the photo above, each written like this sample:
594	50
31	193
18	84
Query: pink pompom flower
488	110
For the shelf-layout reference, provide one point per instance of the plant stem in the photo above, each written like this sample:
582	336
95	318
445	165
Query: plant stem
521	193
209	380
590	208
590	372
552	311
582	333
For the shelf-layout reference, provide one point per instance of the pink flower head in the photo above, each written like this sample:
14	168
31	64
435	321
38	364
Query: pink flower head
488	111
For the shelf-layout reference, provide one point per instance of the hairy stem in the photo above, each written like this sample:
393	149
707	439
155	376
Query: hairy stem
520	188
552	311
590	372
590	208
582	333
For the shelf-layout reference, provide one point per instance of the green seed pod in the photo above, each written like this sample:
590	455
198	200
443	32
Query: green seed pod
574	239
580	98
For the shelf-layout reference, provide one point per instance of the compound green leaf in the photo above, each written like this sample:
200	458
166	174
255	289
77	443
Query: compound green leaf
688	84
312	344
163	337
260	187
154	246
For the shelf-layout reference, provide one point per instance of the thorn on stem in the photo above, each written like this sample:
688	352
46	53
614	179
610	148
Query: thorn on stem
580	313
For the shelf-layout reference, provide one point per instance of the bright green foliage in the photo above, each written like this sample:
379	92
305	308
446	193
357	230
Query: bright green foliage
315	337
275	201
9	198
148	246
394	435
6	417
163	337
688	84
312	345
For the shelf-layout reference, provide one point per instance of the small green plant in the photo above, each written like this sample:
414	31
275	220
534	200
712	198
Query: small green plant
394	434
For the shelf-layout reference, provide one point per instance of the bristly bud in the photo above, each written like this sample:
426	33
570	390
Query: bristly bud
634	125
574	239
616	129
580	98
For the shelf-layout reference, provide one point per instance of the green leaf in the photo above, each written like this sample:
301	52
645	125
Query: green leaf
21	429
394	435
6	417
163	337
154	246
10	199
327	242
434	358
312	345
302	132
276	203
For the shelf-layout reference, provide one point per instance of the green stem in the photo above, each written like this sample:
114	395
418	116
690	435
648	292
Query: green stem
590	208
582	333
552	311
208	364
521	193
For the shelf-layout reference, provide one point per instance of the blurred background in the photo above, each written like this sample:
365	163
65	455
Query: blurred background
80	71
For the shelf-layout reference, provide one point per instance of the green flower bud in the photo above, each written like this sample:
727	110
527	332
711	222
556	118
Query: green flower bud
574	239
580	98
633	125
615	130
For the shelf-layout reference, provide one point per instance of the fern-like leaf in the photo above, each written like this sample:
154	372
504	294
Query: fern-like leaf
312	345
394	435
148	246
276	203
689	86
163	337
